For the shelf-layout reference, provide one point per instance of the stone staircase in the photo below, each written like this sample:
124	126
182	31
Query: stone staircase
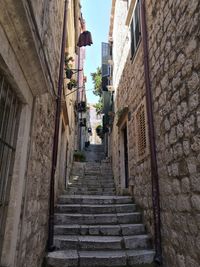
96	228
91	179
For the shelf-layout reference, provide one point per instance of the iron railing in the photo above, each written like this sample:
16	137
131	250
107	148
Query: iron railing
9	117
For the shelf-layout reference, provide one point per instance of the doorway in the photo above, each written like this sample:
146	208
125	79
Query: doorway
126	172
124	158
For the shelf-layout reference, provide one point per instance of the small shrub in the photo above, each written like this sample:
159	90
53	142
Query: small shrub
79	156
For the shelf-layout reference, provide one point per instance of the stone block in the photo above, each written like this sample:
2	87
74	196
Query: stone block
195	200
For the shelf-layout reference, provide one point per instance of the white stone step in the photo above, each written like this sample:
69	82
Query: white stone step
91	183
101	242
102	230
90	179
117	218
90	193
86	208
115	258
80	199
85	188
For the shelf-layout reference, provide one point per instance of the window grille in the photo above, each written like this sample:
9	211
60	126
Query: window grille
141	131
135	29
9	117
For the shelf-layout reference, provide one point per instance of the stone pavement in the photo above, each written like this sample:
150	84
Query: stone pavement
96	228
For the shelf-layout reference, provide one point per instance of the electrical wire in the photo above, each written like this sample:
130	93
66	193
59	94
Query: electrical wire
78	89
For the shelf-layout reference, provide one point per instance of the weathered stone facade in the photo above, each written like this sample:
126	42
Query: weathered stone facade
34	213
130	92
173	30
30	37
174	49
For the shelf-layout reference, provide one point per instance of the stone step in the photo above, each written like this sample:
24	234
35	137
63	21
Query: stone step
102	230
117	218
92	183
100	175
91	193
85	187
89	182
78	208
94	180
80	199
115	258
101	242
92	186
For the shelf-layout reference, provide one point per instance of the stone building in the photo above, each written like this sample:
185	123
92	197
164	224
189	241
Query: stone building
95	120
30	37
174	72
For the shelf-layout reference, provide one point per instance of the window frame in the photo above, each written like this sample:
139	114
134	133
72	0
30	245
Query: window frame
141	111
135	26
10	112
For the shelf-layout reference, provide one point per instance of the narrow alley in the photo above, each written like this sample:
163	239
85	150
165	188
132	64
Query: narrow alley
99	133
94	226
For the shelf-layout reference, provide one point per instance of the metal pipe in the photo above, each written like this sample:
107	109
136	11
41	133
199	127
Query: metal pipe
56	133
78	99
154	167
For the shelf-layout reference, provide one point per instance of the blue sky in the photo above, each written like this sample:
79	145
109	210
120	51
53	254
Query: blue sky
97	16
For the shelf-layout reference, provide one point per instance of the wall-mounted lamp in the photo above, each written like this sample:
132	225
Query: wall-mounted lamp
85	37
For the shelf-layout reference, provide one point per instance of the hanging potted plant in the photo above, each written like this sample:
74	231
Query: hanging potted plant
68	66
71	84
69	73
82	106
83	122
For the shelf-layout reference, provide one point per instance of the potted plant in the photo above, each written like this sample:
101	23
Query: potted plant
69	73
79	156
83	122
68	66
72	84
82	106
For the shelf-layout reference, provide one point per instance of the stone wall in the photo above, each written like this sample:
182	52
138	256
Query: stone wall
121	42
49	19
34	214
31	54
174	28
130	92
174	49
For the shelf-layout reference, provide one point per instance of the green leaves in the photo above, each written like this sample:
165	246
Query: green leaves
97	81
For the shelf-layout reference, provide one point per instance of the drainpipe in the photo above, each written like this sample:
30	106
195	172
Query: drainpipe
79	99
154	167
56	133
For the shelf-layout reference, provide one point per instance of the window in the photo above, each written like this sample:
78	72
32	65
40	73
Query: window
135	29
9	118
141	132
